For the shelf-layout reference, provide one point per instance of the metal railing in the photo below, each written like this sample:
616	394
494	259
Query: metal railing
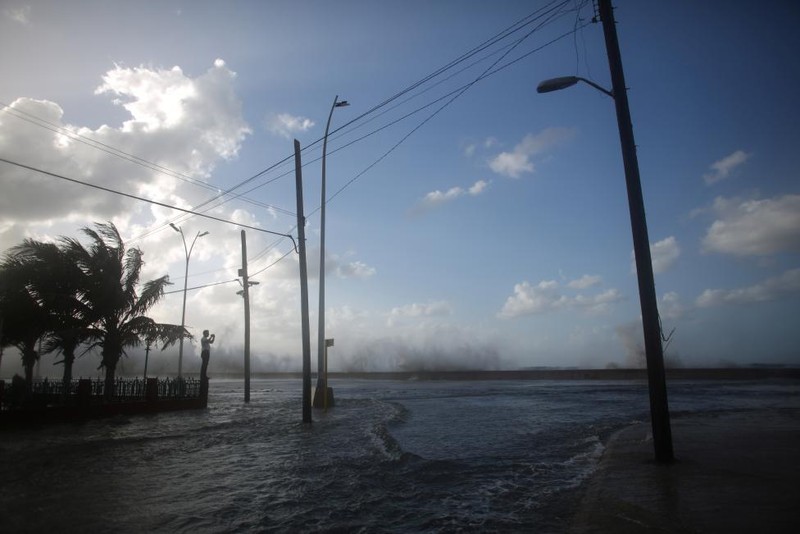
54	391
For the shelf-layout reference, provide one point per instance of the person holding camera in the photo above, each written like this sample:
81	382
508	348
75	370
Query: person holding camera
205	352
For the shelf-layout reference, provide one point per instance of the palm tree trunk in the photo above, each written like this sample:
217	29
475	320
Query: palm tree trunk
28	377
68	361
29	358
109	384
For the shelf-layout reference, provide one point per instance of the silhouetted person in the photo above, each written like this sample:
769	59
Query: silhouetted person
205	352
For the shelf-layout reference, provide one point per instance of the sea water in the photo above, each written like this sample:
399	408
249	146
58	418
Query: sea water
391	456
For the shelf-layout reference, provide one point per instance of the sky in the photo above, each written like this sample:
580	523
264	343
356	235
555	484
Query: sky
470	223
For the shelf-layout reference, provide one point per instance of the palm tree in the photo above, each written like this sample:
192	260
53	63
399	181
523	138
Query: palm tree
25	320
109	289
168	334
55	282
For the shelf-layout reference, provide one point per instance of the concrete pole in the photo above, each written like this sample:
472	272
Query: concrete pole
659	408
183	313
321	393
188	252
246	294
301	237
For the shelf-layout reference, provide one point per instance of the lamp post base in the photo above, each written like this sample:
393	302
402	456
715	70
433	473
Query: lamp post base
323	400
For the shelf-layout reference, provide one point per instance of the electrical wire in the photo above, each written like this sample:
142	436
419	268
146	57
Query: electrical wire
455	94
545	11
490	71
104	147
527	20
202	286
142	199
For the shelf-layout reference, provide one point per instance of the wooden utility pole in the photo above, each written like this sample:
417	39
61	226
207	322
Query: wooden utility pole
301	237
246	294
659	408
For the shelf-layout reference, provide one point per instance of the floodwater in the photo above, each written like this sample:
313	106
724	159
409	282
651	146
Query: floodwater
392	456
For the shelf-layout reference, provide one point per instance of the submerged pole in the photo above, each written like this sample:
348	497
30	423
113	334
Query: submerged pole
301	238
246	294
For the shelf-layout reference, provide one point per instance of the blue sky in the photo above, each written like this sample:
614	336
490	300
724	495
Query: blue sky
495	235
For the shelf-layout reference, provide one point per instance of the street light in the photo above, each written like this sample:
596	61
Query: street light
188	252
557	84
659	408
321	394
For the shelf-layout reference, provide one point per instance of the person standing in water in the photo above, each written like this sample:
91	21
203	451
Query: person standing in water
205	352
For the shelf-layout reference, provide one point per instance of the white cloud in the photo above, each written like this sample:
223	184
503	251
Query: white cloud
511	164
518	161
546	297
597	303
287	125
671	306
478	187
755	227
435	198
20	15
663	254
355	269
181	123
472	147
157	97
585	281
769	289
721	169
438	197
437	308
335	265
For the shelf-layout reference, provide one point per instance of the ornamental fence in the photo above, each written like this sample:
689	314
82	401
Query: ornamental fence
126	390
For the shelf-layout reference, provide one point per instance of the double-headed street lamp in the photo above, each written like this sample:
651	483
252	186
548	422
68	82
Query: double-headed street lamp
321	394
188	252
659	409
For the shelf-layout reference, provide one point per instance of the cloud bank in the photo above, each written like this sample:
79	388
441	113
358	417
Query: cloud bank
755	227
547	297
773	288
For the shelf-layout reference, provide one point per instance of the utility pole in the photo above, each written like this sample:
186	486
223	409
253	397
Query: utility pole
246	294
301	237
656	376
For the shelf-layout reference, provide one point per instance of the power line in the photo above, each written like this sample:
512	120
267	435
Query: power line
455	94
203	286
142	199
270	265
490	71
228	281
99	145
544	12
525	21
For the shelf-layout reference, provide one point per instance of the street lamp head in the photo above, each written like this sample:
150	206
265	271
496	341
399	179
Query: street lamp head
341	104
556	84
204	233
175	227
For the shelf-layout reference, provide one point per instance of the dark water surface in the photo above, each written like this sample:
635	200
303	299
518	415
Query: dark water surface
392	456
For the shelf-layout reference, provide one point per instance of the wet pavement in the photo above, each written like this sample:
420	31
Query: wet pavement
734	472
